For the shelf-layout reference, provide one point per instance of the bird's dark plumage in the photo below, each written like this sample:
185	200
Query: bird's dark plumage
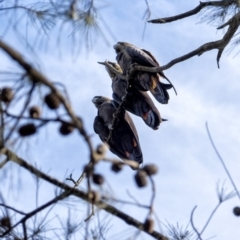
137	102
128	54
124	141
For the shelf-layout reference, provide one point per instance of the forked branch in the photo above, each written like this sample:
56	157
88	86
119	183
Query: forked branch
220	45
193	11
80	194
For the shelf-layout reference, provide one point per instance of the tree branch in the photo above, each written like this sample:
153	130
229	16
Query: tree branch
193	11
192	223
38	77
37	210
80	194
13	209
222	161
219	45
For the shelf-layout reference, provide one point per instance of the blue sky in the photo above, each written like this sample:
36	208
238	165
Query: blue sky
188	166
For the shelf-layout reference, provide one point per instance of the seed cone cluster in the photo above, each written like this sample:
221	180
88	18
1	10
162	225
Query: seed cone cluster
27	130
7	94
52	100
141	174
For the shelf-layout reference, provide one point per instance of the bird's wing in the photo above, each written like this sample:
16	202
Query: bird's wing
147	109
160	92
124	140
141	56
116	98
153	58
119	89
115	143
100	128
125	137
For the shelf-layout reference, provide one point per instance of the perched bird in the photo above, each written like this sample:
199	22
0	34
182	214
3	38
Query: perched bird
124	140
128	54
137	102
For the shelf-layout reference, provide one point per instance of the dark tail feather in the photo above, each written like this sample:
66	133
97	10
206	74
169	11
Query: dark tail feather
160	93
136	155
166	85
153	120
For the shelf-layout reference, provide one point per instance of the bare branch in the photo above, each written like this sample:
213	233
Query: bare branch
11	208
153	195
91	215
210	217
71	179
219	45
147	12
2	164
24	230
194	228
37	77
29	96
1	126
193	11
125	202
29	215
80	194
222	161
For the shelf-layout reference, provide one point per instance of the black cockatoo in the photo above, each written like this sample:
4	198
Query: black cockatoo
124	141
137	102
128	54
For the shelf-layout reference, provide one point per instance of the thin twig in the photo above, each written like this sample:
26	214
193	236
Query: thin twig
38	119
127	162
79	179
76	183
92	211
29	96
34	212
153	196
194	228
37	77
90	215
71	179
222	161
1	126
80	194
210	217
2	164
125	202
11	208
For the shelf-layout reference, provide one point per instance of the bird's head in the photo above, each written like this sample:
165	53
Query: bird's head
120	46
99	100
109	65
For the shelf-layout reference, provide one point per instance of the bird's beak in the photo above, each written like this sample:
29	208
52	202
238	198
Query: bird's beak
115	46
103	63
